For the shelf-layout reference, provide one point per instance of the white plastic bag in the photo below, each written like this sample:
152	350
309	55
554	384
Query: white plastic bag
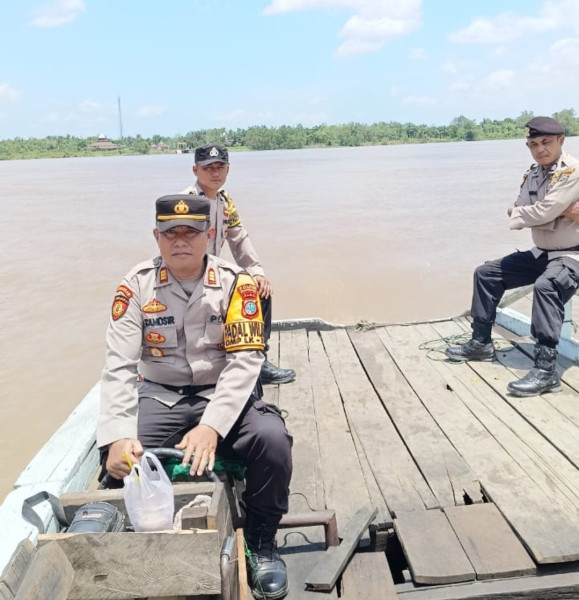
149	497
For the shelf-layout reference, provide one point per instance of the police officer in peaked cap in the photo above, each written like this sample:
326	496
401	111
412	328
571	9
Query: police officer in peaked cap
211	169
546	205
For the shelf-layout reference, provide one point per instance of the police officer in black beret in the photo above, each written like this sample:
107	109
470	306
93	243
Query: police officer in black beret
211	169
545	205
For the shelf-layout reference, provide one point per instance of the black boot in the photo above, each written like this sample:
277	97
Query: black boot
267	571
472	350
543	377
272	374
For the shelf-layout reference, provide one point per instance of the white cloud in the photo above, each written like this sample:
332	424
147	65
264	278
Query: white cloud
418	53
509	26
8	92
146	112
58	12
499	80
373	25
454	67
419	100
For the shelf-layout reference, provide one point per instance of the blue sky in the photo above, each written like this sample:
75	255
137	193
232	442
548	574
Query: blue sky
182	65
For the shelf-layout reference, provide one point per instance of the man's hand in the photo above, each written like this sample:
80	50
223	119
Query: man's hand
572	213
116	464
263	286
201	442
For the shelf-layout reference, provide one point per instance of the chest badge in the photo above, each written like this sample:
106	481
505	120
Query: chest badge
154	306
154	337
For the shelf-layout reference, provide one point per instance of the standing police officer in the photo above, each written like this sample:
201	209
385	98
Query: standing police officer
549	189
211	169
184	352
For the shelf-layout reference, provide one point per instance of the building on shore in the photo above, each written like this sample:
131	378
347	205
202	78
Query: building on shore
102	143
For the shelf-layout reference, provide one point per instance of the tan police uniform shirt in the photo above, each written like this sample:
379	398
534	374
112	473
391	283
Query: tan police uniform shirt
542	198
157	333
228	226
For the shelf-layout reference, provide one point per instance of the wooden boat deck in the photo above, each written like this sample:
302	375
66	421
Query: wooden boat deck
477	492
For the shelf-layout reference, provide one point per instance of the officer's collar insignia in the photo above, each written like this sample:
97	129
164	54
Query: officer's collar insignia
214	152
181	208
154	306
211	276
163	275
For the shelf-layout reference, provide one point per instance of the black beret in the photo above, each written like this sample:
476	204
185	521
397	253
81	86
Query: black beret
543	126
183	209
210	153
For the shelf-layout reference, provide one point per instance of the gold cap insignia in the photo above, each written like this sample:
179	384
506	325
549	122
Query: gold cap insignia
181	208
214	152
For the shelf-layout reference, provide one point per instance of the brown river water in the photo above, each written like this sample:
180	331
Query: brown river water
386	234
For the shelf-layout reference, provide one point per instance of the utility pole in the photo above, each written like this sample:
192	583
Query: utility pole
120	119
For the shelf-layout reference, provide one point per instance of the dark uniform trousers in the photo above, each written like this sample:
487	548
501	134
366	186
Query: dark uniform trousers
555	283
266	309
259	437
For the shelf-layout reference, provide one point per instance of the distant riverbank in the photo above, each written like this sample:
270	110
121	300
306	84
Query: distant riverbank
349	135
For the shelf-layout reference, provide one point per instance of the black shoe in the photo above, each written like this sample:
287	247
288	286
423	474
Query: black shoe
542	378
272	374
267	570
472	350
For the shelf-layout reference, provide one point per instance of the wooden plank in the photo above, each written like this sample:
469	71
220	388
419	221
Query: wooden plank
445	470
542	519
490	544
116	566
432	550
299	547
344	484
368	577
243	586
326	571
547	587
50	576
398	478
14	571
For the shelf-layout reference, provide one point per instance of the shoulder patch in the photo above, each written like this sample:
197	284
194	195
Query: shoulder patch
119	307
233	219
243	329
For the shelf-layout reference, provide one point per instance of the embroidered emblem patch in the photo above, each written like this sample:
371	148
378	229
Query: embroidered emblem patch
249	309
155	337
214	152
154	306
211	277
125	291
119	308
561	176
156	352
163	275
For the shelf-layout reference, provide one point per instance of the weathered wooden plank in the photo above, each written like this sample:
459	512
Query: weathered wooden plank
301	546
446	472
326	571
547	587
344	484
50	575
432	550
116	566
368	577
400	481
14	571
490	544
243	585
544	521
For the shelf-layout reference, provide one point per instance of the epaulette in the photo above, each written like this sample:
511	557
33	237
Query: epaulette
146	265
226	264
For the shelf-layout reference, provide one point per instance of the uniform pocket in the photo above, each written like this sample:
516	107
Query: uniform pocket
565	281
213	340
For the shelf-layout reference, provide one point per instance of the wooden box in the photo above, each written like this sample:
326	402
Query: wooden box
123	565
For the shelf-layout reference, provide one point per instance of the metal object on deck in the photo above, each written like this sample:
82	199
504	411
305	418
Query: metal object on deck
327	518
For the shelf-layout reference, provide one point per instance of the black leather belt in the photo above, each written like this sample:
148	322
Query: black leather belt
184	390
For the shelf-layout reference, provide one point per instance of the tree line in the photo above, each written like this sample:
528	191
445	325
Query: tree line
285	137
